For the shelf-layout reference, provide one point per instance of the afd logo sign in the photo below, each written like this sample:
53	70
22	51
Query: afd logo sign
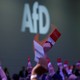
38	21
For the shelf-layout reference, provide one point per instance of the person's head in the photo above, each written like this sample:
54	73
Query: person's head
78	65
23	68
15	76
5	69
29	70
72	77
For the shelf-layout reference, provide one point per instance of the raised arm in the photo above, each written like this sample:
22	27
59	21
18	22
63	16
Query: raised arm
2	74
39	69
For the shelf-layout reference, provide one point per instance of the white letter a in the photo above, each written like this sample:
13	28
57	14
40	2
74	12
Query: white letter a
27	21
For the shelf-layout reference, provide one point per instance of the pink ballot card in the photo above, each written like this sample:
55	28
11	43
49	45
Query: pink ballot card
38	50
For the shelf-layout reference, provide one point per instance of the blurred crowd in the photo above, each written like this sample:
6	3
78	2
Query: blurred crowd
64	72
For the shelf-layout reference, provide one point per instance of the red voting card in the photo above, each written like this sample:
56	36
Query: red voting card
55	35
